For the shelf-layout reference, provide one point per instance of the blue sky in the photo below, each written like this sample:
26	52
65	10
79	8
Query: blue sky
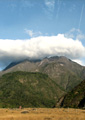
28	19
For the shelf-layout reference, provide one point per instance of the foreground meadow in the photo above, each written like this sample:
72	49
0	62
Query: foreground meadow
42	114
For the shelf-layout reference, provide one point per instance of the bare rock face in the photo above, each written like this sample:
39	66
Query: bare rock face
59	102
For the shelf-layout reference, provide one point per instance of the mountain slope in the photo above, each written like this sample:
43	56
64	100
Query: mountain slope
28	90
62	70
75	98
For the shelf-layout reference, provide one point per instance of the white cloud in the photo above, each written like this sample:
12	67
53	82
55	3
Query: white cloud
82	10
50	4
79	61
80	36
75	34
49	8
31	33
59	2
40	47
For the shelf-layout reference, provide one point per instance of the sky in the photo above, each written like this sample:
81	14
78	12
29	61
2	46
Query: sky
36	29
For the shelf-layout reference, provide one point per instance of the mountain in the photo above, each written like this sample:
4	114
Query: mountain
17	62
28	89
62	70
75	98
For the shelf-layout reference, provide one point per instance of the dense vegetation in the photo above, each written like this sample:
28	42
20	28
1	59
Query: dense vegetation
75	98
28	89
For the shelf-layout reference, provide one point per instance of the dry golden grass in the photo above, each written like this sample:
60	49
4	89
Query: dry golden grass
42	114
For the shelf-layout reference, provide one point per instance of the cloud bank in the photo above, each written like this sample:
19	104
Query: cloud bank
40	47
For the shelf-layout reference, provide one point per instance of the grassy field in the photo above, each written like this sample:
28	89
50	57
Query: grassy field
42	114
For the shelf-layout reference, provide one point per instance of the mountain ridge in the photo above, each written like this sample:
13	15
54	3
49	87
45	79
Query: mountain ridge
62	70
